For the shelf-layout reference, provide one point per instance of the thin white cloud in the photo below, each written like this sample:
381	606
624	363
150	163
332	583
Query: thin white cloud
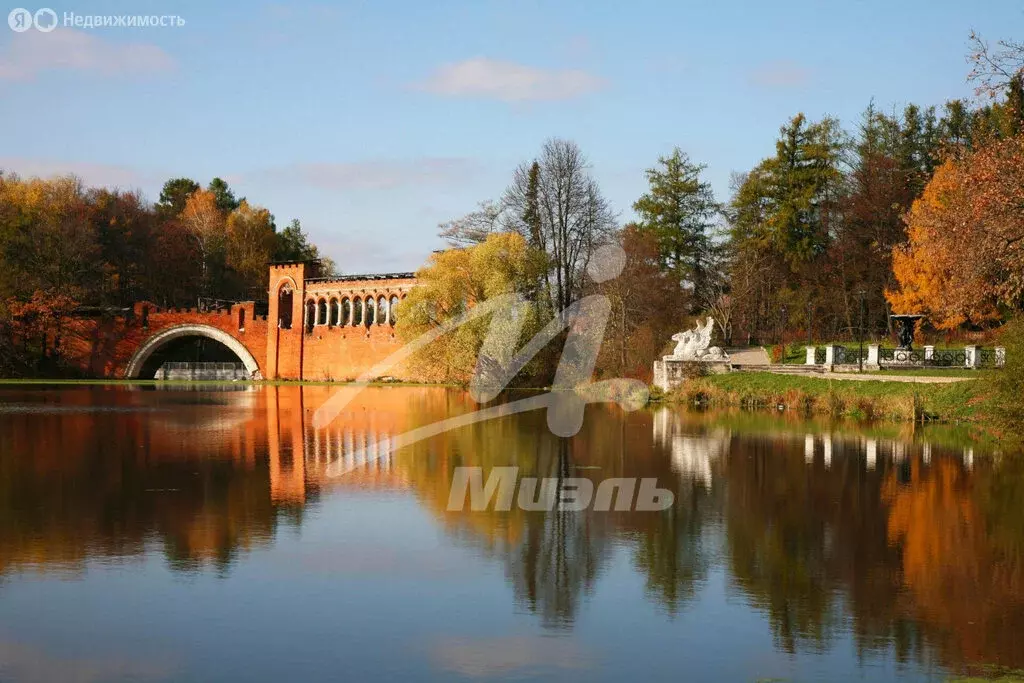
31	53
102	175
780	74
375	175
509	82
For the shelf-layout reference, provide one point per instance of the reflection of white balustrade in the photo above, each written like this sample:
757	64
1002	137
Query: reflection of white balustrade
809	448
386	448
349	449
926	454
662	426
692	456
969	458
871	453
827	454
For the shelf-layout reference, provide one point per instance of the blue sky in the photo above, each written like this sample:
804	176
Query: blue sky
372	122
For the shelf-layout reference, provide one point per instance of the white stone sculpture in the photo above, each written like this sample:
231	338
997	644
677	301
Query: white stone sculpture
695	344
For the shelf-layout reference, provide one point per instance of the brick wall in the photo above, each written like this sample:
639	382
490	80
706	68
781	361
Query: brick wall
103	347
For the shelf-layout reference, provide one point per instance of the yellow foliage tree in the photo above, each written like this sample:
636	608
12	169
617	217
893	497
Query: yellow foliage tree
454	281
204	222
250	244
965	254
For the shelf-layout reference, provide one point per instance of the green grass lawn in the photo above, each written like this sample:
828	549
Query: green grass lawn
904	401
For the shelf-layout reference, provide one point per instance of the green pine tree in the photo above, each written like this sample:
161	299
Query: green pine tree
679	210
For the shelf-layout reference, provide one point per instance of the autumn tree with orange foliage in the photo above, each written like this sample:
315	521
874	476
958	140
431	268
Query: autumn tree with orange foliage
647	307
965	255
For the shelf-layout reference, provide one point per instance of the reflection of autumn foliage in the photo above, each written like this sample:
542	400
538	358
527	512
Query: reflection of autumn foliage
807	543
963	566
101	475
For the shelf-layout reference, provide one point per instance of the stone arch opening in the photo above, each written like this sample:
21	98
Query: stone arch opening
284	307
310	315
333	314
391	310
321	312
357	311
370	308
382	310
346	311
191	344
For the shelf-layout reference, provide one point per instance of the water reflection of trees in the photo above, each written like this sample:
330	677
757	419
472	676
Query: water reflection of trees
799	534
962	543
90	473
909	548
553	559
918	550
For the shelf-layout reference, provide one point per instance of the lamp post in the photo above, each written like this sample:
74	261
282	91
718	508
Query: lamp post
782	328
860	334
810	328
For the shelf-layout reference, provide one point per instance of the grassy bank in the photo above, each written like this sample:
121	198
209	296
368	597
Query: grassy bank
871	400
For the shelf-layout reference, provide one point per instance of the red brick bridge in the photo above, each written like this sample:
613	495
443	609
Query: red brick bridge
314	329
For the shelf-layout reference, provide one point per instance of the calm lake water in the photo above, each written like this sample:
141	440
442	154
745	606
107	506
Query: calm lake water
178	535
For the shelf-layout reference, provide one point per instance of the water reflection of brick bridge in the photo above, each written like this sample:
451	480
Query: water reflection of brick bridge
311	328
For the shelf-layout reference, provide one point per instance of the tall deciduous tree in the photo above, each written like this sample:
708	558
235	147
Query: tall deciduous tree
250	246
994	68
574	217
475	227
647	308
679	211
977	200
205	223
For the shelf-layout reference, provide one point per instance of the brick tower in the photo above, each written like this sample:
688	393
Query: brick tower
286	296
